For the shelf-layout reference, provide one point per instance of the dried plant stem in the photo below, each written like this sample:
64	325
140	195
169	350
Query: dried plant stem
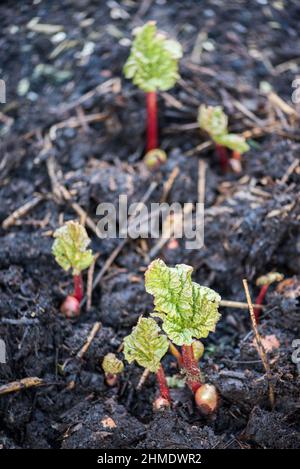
89	339
169	184
143	378
237	304
89	288
24	383
260	347
21	211
201	181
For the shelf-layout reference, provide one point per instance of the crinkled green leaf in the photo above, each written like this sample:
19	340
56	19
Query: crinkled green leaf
187	309
69	247
233	142
146	344
112	365
153	60
213	120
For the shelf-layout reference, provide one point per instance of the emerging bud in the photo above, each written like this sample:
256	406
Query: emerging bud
112	367
70	307
111	380
198	349
269	278
155	158
160	404
206	398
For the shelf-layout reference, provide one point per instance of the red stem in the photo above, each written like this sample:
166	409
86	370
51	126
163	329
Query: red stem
223	157
259	300
163	386
193	374
151	100
78	287
236	155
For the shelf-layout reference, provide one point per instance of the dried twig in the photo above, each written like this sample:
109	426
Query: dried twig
143	378
169	183
73	122
199	148
201	181
89	340
20	322
237	304
260	347
24	383
113	84
89	288
290	171
21	211
279	102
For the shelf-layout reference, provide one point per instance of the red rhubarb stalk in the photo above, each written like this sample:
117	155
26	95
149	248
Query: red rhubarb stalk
236	155
259	300
193	374
152	141
223	157
163	386
78	287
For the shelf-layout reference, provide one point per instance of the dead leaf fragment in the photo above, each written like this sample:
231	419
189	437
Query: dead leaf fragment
108	422
269	342
289	288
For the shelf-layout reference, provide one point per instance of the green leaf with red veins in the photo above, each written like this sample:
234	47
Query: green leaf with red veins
153	60
187	310
70	247
146	344
233	142
112	365
213	120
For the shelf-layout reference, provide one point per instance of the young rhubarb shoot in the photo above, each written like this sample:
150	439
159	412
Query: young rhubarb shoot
70	252
155	158
198	349
206	398
264	282
146	345
112	367
152	65
187	311
215	122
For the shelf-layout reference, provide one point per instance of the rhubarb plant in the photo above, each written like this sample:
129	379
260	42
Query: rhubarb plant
147	345
214	121
153	66
112	367
70	252
188	311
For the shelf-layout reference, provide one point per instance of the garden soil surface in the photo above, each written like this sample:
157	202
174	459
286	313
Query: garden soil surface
63	150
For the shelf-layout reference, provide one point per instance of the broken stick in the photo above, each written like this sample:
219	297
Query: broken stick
260	347
24	383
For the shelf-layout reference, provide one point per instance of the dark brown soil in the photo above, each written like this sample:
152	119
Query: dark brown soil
251	220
